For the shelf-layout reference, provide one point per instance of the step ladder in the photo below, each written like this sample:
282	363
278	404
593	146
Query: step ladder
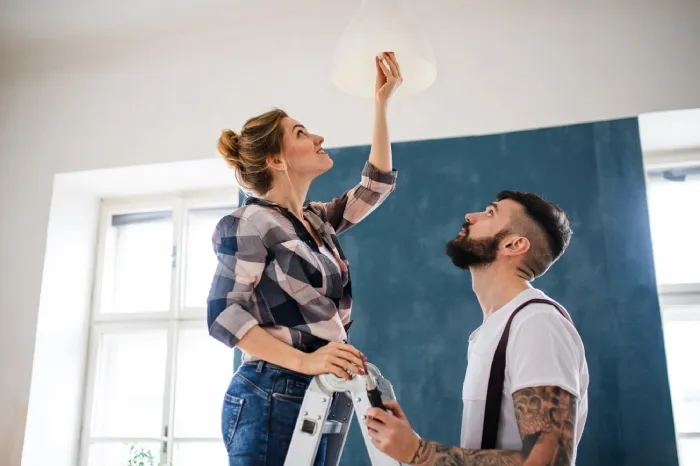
323	413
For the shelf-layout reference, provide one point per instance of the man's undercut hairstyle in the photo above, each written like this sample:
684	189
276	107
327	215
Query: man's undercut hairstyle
545	225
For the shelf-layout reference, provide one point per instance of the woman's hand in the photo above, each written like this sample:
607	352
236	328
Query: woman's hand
334	358
388	77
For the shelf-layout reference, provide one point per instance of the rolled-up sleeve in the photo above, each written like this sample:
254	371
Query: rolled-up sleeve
350	208
241	255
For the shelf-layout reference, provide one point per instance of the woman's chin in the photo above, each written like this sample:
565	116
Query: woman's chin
327	164
319	167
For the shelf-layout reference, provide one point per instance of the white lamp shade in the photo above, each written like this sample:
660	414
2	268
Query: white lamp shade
383	26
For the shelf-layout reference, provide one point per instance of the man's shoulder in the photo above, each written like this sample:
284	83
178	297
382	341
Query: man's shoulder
540	306
540	318
545	349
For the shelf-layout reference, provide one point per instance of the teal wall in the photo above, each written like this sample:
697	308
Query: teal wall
413	310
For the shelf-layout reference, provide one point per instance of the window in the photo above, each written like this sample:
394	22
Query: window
156	379
675	220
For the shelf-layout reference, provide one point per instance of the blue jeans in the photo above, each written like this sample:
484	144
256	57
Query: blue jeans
260	412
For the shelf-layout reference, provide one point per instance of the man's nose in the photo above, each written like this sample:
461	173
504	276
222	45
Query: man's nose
469	218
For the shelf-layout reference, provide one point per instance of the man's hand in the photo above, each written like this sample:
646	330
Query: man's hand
392	434
546	417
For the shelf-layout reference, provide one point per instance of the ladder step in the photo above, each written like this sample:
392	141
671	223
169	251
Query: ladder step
332	427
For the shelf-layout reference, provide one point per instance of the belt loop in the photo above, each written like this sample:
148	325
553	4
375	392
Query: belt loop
261	365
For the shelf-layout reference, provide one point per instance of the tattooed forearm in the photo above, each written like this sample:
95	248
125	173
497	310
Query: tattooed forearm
546	418
437	454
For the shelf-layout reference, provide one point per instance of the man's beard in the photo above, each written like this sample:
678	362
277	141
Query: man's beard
467	252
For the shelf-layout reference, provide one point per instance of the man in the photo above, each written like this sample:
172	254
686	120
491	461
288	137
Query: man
544	401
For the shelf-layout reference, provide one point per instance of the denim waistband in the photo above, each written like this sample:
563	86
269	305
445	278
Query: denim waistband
260	375
261	365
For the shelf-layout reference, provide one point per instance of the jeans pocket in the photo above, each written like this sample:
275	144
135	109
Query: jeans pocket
231	412
284	412
288	398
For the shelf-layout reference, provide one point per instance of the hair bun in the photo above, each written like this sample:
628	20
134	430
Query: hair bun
228	147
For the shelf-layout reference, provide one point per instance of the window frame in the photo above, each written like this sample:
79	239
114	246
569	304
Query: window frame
178	315
675	298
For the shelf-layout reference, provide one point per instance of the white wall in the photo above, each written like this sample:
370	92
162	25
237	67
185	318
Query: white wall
168	101
50	126
54	415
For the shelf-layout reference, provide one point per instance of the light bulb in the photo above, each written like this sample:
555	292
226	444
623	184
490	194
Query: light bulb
383	26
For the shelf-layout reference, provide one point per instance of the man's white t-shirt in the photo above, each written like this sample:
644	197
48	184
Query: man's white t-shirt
544	348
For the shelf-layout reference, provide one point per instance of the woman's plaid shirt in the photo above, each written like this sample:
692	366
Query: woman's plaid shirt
271	273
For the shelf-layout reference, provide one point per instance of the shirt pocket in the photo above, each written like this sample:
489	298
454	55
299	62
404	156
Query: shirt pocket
296	270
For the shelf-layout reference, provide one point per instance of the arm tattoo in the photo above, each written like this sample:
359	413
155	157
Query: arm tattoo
437	454
546	418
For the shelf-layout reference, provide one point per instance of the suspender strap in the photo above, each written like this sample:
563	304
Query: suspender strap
494	393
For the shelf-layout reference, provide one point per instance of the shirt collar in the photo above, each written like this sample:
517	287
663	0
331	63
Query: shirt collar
260	201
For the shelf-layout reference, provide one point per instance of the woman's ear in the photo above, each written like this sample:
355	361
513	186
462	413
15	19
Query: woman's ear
276	162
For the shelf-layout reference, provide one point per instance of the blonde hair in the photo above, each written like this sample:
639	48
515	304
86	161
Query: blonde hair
246	153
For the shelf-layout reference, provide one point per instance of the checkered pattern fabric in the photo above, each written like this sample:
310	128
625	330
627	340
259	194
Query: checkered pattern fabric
271	273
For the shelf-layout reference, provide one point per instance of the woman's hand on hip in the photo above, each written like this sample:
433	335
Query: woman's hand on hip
388	77
334	358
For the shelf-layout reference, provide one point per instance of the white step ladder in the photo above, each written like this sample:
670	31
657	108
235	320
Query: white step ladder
322	414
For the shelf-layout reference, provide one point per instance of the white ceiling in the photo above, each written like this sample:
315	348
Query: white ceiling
44	19
502	65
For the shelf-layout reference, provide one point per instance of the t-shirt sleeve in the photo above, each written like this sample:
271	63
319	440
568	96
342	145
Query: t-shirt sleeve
542	350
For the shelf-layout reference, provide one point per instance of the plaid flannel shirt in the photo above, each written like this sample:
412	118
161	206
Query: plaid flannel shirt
271	273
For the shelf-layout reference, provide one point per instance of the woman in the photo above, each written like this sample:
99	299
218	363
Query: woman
281	292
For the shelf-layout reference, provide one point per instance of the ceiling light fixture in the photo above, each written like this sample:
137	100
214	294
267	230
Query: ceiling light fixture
383	26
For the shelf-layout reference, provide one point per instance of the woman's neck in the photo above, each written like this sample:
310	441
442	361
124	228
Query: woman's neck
289	195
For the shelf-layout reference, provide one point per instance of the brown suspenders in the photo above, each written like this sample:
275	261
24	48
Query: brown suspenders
494	394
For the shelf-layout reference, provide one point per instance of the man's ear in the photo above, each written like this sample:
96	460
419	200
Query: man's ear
514	245
276	162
